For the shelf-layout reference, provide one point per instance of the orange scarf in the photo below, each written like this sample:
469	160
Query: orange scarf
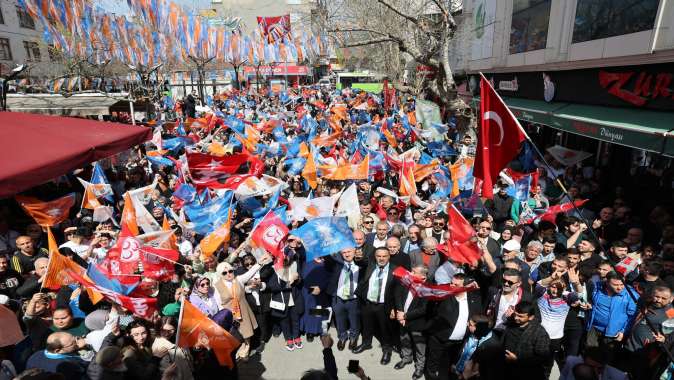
236	307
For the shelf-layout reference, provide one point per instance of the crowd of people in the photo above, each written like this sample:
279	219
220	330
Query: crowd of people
588	289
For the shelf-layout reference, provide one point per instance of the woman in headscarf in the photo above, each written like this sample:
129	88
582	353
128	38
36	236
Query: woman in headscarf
231	295
203	296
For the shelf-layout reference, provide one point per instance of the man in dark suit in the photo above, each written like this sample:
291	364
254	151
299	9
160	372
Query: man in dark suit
375	240
398	259
376	292
345	273
447	329
411	315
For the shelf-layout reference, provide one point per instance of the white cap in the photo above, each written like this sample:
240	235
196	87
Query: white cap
512	245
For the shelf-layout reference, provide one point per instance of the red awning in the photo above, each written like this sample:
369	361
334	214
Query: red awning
37	148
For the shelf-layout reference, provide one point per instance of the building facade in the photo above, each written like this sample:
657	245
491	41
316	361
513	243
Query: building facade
596	75
21	42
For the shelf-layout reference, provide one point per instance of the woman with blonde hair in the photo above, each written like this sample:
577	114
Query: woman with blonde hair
230	293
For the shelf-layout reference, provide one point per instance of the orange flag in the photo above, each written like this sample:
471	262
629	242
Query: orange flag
89	199
304	150
309	171
408	185
412	117
340	112
422	171
212	241
344	172
194	327
57	274
216	149
129	216
329	140
172	242
47	213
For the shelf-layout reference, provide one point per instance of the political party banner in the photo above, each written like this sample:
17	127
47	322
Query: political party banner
427	113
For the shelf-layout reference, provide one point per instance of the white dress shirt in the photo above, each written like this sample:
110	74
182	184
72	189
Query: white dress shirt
343	283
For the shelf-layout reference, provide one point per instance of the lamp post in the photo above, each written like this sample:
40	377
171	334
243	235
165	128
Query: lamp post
5	83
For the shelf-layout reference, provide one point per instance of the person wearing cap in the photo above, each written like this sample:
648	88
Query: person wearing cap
499	207
76	242
511	251
108	365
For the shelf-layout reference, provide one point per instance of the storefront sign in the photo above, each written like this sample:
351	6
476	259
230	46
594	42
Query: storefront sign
277	70
508	85
643	86
621	136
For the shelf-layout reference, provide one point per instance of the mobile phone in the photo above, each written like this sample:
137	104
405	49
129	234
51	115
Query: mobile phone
353	366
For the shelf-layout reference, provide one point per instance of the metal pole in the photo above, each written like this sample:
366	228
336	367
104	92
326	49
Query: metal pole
133	118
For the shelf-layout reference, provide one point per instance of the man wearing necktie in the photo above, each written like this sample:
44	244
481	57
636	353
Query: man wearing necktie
344	276
377	295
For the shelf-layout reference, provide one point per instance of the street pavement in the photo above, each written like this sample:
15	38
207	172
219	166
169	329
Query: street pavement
276	363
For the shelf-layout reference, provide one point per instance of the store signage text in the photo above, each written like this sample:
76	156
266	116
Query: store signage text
646	85
509	85
592	130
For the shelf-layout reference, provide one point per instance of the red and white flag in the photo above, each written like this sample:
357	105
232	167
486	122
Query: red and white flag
432	292
461	247
552	211
499	140
270	234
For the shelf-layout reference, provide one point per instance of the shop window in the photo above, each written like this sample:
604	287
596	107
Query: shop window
32	51
529	27
25	21
5	50
597	19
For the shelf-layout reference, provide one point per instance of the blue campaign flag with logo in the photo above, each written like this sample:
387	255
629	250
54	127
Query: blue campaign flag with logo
295	165
279	134
325	236
159	160
174	144
440	149
98	177
209	215
526	158
443	185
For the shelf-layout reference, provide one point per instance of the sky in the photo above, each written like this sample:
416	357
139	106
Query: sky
120	7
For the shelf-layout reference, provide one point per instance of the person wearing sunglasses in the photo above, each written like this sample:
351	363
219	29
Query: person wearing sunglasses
231	295
203	296
502	299
483	228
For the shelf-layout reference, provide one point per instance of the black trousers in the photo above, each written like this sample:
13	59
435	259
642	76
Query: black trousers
376	322
440	357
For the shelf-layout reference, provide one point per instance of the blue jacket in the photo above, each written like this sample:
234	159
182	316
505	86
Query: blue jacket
622	309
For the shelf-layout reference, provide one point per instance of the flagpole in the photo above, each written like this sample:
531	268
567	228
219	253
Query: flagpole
580	215
180	320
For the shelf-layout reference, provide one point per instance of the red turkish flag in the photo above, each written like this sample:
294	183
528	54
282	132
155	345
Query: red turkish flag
270	234
499	140
461	247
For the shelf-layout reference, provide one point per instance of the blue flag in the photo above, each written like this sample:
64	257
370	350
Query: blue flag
105	282
159	160
295	165
98	176
186	192
210	215
440	149
325	236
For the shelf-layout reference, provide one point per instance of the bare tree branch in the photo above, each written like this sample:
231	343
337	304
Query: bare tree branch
369	42
395	10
